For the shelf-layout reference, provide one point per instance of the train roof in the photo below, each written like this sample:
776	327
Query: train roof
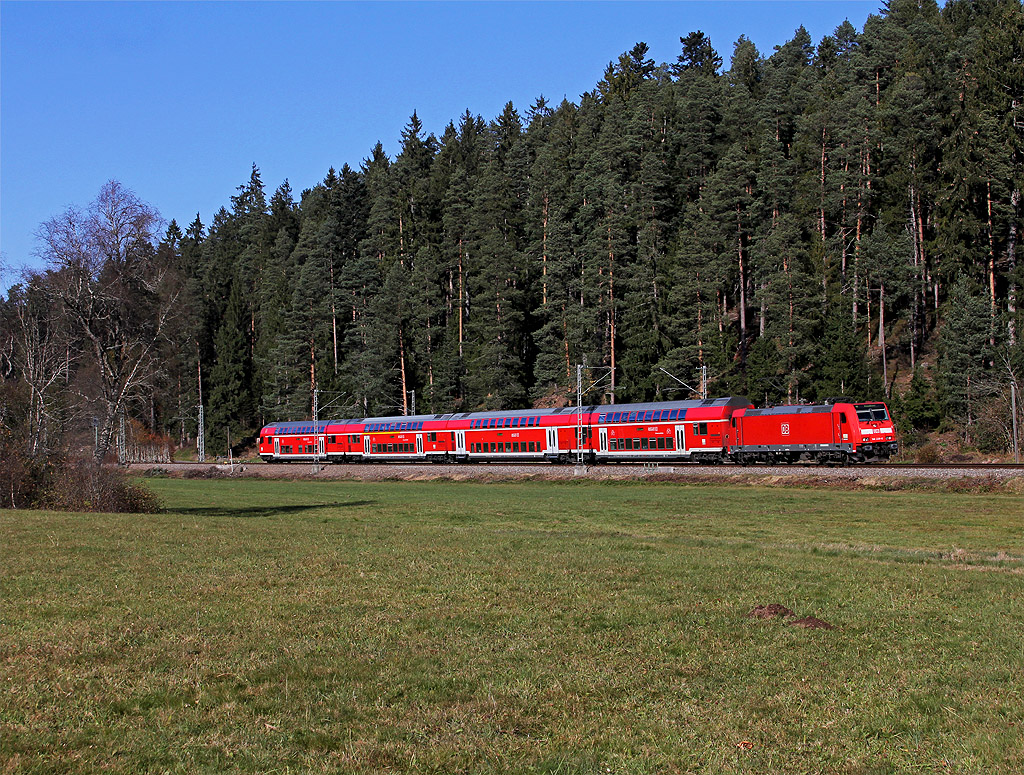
303	426
799	409
407	420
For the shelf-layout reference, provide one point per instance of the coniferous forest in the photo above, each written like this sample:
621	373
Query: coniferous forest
834	217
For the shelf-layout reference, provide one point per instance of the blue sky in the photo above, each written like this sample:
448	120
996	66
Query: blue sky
177	100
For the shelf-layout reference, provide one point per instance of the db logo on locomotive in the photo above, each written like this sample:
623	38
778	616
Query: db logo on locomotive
785	429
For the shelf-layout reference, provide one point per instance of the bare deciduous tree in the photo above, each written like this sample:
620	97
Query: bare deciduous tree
114	294
42	354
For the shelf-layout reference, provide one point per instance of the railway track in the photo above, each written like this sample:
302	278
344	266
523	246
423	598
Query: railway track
619	470
951	466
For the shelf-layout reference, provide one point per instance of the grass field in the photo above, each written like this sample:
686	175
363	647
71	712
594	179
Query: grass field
263	626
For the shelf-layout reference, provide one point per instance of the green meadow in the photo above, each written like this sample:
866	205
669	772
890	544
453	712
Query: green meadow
284	627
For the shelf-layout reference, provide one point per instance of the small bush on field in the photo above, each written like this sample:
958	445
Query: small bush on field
20	475
83	485
210	472
58	481
928	454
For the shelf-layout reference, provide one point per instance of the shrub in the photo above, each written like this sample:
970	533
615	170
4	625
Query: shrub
928	454
83	485
20	475
209	472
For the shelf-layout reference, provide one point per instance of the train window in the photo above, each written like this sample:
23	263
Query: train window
515	446
643	443
842	417
613	444
669	443
332	439
659	442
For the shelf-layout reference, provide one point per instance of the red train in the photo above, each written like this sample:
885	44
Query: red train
715	430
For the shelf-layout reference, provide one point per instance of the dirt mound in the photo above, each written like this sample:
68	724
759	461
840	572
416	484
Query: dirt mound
812	623
769	611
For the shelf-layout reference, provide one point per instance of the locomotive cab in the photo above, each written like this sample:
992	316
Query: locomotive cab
875	431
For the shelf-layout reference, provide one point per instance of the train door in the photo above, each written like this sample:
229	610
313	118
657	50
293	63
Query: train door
603	436
419	443
277	446
320	445
460	442
552	439
842	429
681	438
366	445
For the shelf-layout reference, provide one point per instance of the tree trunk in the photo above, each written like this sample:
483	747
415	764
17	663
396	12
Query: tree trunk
881	336
544	254
334	321
462	303
401	356
1011	268
993	309
743	287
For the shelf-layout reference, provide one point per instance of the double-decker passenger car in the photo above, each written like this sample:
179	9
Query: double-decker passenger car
667	430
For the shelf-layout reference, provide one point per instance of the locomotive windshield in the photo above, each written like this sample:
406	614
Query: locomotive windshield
869	412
